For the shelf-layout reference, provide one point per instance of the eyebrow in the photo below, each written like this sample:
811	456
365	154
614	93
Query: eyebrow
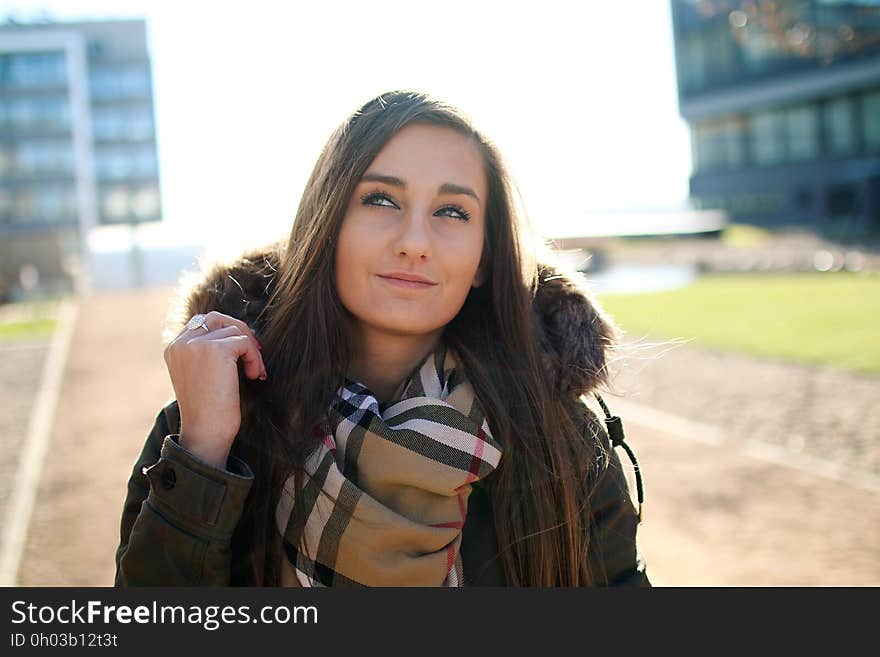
445	188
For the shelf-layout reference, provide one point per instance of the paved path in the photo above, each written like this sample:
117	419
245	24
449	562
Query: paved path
114	384
714	514
20	373
816	413
30	374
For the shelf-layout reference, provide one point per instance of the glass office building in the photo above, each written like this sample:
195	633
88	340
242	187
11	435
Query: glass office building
783	102
77	138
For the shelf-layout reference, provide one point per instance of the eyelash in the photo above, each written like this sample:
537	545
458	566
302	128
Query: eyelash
465	215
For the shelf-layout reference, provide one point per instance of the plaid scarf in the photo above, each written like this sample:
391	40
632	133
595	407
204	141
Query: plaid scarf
397	478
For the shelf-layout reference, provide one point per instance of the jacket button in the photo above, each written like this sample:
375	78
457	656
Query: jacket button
169	478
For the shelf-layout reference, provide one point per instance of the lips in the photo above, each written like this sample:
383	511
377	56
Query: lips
408	276
407	281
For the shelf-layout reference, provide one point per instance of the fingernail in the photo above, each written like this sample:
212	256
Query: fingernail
263	376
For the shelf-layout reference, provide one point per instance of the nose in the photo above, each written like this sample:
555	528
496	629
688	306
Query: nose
414	239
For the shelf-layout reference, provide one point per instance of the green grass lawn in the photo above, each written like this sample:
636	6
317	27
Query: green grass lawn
26	330
830	318
29	319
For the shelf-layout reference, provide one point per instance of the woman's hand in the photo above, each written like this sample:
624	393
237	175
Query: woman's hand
203	365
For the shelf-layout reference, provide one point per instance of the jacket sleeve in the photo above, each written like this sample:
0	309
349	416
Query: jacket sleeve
179	513
614	558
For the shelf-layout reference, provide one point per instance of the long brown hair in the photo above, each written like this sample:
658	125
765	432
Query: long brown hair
539	492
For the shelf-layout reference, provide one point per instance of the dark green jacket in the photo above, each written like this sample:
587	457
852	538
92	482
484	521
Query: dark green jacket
180	515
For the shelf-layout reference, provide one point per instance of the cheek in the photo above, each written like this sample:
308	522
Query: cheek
467	261
351	242
357	249
344	259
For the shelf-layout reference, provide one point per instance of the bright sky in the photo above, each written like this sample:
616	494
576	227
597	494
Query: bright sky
579	96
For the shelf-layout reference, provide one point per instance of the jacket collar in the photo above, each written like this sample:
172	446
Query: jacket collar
575	334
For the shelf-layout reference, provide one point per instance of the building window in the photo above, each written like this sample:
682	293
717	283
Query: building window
802	132
114	203
718	144
46	204
767	132
112	165
692	67
844	200
840	126
871	116
123	162
95	49
120	83
33	70
54	203
38	158
736	133
744	203
123	203
6	160
122	124
703	139
751	39
761	50
145	203
803	198
5	205
39	113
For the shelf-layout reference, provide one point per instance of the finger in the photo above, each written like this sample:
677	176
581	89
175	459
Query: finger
187	331
224	332
245	350
227	332
215	320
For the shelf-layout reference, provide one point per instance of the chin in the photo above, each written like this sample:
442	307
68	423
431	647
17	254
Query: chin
407	326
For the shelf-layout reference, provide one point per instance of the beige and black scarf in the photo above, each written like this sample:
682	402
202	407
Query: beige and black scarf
386	492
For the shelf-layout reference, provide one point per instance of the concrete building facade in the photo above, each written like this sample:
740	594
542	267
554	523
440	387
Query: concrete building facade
77	143
783	103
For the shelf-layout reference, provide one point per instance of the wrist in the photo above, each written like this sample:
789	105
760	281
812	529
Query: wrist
212	454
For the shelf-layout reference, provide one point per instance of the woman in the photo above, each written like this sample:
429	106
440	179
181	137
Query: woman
392	396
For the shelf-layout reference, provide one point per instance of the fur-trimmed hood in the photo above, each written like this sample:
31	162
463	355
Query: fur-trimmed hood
575	334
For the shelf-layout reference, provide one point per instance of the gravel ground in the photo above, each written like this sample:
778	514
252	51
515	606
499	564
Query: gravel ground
786	250
817	411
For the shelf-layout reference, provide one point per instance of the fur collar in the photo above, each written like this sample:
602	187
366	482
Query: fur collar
575	333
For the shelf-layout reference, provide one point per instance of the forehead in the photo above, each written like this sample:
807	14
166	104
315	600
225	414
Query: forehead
432	154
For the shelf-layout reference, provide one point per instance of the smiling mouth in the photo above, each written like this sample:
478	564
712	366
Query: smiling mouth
412	285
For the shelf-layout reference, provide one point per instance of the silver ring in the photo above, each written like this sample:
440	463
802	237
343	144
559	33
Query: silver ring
198	321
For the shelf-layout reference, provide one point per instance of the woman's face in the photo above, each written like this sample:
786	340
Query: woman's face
417	213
